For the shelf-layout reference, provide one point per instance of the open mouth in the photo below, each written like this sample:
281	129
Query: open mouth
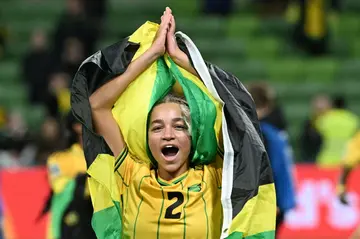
169	150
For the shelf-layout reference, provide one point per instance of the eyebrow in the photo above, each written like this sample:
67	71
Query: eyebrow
178	119
157	121
160	121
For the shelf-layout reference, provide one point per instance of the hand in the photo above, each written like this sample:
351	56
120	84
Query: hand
158	46
171	45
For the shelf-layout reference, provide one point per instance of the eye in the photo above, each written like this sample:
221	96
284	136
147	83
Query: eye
156	128
180	127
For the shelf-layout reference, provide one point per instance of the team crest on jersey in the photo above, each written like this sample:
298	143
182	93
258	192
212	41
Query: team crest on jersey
195	188
54	170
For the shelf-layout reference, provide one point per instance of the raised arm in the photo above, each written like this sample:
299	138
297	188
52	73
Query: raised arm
178	56
103	99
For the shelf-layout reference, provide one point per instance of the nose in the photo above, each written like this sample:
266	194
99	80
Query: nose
168	134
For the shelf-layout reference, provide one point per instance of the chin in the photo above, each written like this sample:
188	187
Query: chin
172	168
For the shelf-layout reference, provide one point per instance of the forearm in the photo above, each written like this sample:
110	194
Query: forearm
106	96
182	60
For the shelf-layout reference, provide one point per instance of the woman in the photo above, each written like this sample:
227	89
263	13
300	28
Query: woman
69	202
171	199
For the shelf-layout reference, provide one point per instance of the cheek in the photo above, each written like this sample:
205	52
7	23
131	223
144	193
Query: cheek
153	143
185	142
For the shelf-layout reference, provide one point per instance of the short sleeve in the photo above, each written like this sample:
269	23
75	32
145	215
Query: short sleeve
123	169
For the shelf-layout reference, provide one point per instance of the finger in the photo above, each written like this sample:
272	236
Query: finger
173	24
166	16
167	9
167	12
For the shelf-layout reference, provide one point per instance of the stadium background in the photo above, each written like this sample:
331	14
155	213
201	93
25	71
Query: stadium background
253	39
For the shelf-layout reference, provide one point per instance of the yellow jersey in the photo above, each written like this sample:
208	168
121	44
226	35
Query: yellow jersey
70	213
65	166
188	206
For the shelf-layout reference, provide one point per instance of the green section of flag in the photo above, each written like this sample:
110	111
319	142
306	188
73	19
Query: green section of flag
262	235
59	203
109	219
203	117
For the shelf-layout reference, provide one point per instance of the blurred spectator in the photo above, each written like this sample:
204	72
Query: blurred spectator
67	174
276	115
2	117
310	139
59	101
72	56
95	11
336	127
74	24
311	19
278	149
3	36
49	140
36	67
218	7
350	161
270	8
15	147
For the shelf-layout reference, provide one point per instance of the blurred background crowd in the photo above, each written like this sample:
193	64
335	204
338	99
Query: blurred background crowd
306	52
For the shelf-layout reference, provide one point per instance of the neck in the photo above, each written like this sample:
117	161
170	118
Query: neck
262	113
170	175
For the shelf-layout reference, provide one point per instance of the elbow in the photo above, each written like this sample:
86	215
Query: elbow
94	103
97	104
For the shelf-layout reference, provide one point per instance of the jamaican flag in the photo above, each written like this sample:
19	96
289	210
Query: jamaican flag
223	118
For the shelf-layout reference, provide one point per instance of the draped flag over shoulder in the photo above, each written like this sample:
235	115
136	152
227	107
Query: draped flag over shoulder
223	116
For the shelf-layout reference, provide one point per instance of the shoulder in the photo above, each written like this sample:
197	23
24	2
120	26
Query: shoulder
56	160
58	157
269	130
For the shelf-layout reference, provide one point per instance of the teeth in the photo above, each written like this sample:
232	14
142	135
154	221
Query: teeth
169	146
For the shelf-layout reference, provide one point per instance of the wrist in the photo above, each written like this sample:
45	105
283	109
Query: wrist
153	53
175	53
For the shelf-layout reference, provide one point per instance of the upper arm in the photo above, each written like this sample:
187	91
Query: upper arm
107	127
123	169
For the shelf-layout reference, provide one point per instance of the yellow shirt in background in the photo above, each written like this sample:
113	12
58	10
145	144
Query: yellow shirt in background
64	166
336	127
352	156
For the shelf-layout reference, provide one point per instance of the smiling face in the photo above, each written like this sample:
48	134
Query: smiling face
169	139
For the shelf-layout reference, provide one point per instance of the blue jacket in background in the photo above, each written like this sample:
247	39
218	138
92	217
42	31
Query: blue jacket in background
281	159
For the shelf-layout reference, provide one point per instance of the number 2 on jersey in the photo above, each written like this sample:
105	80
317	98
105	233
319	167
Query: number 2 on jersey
169	211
